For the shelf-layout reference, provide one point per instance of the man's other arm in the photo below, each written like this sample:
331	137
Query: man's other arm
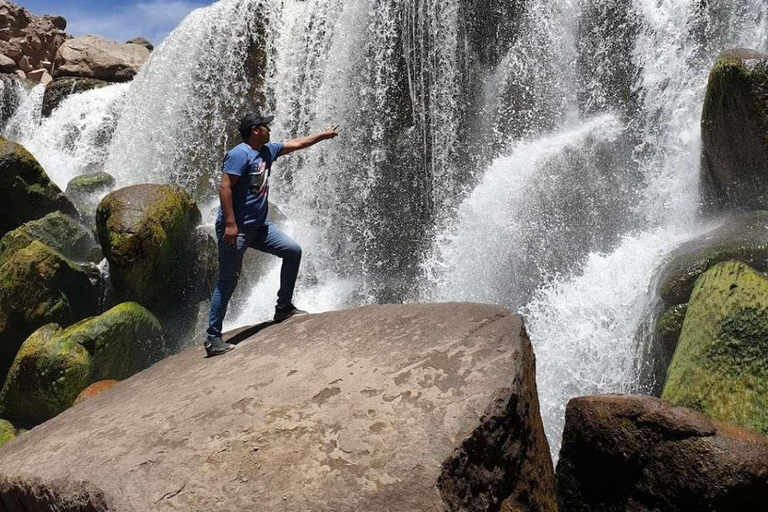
304	142
227	209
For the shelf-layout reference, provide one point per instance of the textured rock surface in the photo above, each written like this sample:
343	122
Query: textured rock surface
30	42
39	286
99	58
143	41
47	374
148	235
123	341
391	408
89	184
57	230
637	453
26	192
720	366
58	90
734	124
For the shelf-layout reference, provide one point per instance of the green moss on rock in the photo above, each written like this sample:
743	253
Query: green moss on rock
148	235
57	230
89	184
46	376
26	192
123	341
7	432
38	285
720	366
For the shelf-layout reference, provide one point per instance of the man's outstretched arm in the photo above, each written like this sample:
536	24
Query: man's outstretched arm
304	142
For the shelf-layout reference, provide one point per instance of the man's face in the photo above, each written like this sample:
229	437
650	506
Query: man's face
262	133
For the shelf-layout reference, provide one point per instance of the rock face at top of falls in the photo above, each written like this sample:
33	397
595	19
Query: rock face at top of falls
383	408
638	453
99	58
59	89
734	124
28	42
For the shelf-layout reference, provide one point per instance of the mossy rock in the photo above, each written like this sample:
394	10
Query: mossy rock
148	234
57	230
720	367
7	432
123	341
84	186
26	192
48	373
38	285
734	124
59	89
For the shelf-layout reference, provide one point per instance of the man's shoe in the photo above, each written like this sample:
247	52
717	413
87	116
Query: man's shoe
287	312
217	346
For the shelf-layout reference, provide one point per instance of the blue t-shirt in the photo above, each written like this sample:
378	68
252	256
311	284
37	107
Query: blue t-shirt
250	193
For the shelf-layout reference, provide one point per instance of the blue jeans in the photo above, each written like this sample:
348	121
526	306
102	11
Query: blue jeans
267	238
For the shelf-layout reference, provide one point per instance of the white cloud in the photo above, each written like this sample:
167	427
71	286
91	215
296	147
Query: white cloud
153	20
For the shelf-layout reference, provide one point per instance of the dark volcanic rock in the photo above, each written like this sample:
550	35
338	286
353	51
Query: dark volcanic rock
26	192
734	130
383	408
636	453
57	90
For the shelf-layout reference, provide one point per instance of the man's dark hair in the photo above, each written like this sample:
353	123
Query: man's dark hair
250	120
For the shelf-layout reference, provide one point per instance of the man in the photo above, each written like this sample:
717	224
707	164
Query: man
242	221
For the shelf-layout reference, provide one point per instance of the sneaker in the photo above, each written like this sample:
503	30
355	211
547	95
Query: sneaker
287	312
217	346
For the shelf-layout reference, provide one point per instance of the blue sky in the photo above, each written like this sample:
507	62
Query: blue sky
119	20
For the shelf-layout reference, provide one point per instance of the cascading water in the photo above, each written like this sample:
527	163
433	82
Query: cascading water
538	154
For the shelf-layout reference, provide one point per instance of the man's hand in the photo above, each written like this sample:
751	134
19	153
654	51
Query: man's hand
304	142
331	133
230	234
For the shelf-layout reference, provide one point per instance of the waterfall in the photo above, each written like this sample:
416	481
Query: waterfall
75	139
12	93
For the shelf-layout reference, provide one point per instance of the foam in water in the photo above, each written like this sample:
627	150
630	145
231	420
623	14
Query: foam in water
75	138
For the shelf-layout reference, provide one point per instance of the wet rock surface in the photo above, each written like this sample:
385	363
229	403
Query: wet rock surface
734	126
57	230
637	453
396	408
58	90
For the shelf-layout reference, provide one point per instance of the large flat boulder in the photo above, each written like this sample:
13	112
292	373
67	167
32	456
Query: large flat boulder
734	133
383	408
639	453
96	57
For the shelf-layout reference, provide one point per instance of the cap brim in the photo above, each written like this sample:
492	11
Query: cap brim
268	119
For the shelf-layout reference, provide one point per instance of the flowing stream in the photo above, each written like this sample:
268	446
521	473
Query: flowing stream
542	154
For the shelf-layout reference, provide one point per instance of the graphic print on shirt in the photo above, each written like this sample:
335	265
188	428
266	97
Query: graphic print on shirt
259	180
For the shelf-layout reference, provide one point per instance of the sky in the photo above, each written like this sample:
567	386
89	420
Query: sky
119	20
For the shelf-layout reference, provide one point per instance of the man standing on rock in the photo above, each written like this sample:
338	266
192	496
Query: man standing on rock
242	221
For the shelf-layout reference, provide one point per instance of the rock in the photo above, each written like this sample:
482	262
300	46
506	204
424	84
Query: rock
666	333
11	95
384	408
40	75
46	376
57	230
30	40
638	453
7	64
7	432
39	286
95	389
734	169
26	193
720	366
85	186
59	89
123	341
100	58
148	234
141	41
19	73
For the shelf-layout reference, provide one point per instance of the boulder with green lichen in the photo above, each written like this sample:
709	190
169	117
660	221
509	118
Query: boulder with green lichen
57	230
123	341
59	89
7	432
148	234
26	192
720	367
734	126
38	285
87	185
47	374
